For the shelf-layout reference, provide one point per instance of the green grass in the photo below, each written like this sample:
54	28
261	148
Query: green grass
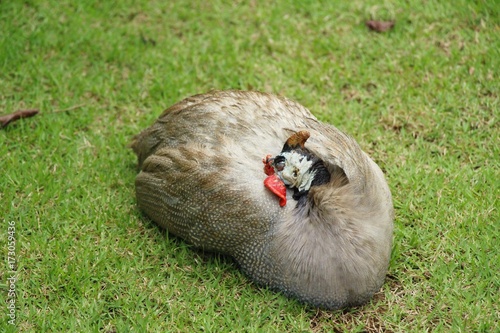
422	100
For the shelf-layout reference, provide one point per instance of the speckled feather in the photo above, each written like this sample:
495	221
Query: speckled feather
201	178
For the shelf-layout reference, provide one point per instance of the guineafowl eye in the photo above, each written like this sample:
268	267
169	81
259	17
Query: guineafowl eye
201	178
279	162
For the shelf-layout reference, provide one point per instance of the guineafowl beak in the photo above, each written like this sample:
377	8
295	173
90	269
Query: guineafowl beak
268	165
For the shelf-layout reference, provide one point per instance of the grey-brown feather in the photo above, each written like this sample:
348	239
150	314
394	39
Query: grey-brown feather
201	177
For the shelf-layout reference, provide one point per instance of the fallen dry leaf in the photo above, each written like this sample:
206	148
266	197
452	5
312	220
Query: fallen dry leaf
380	26
8	118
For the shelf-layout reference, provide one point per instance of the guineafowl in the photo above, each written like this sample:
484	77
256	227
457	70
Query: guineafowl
296	202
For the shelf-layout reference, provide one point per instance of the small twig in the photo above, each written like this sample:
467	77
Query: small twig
70	108
8	118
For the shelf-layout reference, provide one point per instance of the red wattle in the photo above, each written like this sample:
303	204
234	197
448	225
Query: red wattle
276	185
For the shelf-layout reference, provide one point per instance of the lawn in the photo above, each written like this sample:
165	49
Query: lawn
422	99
